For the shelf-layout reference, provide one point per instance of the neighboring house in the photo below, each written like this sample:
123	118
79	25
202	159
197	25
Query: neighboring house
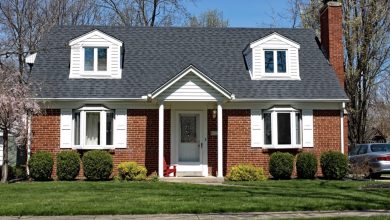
205	99
374	135
15	154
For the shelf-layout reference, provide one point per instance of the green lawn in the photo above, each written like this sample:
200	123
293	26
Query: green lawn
76	198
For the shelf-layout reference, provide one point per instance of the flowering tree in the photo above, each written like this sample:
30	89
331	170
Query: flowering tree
15	106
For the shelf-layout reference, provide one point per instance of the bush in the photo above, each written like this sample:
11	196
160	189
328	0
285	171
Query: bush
68	165
281	165
97	165
131	171
20	172
306	165
153	177
16	172
334	165
41	166
246	172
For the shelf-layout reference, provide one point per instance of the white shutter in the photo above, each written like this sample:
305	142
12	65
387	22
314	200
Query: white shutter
66	128
307	124
256	128
120	132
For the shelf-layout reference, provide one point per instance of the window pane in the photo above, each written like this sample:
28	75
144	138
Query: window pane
269	61
375	148
284	128
88	58
93	128
298	127
110	128
363	149
102	59
267	129
281	61
76	128
188	129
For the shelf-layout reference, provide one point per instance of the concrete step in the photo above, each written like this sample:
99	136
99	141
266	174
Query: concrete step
197	180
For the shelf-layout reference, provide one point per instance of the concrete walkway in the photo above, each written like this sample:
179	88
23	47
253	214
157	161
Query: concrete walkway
232	216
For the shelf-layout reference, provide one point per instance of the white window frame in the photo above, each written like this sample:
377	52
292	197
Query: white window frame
275	55
95	71
103	118
274	128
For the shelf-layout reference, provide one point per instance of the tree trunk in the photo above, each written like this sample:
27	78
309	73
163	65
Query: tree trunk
4	177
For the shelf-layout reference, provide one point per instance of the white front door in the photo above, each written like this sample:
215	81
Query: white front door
189	139
191	151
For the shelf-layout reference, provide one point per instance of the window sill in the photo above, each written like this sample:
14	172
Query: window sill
282	147
92	148
275	77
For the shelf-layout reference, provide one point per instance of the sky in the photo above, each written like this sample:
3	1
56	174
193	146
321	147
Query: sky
245	13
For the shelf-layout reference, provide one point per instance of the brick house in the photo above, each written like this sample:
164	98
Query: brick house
202	98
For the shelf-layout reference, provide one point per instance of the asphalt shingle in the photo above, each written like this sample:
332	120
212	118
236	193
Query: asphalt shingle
154	55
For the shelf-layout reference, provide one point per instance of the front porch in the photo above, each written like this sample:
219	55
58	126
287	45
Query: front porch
194	101
195	138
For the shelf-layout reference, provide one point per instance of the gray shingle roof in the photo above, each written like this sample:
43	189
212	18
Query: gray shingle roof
155	55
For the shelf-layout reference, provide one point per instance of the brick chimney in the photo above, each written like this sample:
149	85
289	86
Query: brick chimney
332	36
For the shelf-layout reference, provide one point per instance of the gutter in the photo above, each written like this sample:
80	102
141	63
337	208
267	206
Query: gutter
300	100
144	98
342	128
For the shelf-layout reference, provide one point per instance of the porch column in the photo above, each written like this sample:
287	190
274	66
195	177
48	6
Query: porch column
161	140
220	141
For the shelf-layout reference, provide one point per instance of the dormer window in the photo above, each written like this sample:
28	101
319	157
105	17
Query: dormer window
270	56
273	57
95	59
95	55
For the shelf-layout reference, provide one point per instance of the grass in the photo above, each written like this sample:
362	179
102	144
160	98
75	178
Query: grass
83	197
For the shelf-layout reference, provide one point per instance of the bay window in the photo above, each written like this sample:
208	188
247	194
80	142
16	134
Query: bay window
282	128
93	127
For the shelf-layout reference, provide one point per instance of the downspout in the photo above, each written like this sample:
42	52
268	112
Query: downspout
342	127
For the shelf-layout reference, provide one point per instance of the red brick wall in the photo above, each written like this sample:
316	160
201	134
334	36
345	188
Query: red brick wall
142	137
46	133
331	37
142	134
237	138
212	143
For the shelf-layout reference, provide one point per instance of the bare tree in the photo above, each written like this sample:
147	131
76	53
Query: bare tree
15	106
144	12
72	12
366	26
379	112
21	25
211	18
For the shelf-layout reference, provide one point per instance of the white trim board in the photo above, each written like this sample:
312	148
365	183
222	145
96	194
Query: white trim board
198	73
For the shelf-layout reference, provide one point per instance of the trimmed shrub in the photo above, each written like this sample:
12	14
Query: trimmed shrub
246	172
306	165
97	165
68	165
131	171
41	166
281	165
334	165
20	172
